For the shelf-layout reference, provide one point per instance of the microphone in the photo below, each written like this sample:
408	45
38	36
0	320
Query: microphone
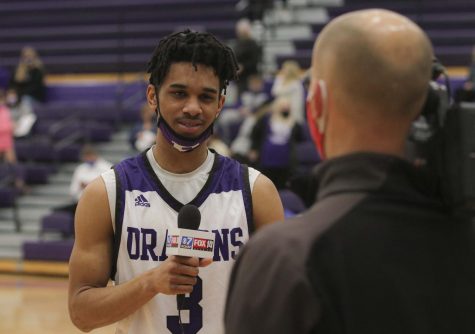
189	217
186	240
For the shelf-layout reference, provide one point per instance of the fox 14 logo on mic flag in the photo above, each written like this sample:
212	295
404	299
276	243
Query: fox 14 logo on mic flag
194	243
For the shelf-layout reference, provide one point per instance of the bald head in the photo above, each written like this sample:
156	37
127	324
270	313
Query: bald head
374	60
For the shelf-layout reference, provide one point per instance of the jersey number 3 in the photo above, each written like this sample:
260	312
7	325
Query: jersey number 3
190	303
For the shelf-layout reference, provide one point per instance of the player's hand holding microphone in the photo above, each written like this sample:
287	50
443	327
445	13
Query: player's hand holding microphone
187	250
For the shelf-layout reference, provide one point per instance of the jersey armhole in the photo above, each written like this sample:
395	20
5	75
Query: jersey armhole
119	200
247	198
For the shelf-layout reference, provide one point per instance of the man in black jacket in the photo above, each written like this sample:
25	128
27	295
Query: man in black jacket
378	252
248	53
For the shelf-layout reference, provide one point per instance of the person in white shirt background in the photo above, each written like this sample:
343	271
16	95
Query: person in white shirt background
91	167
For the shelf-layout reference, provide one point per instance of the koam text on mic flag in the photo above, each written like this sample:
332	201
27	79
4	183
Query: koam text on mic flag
192	243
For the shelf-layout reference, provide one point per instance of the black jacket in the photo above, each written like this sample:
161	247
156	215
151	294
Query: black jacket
377	253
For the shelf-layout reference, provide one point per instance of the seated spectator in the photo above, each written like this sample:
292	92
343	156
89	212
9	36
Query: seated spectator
288	83
7	150
91	167
273	139
241	145
12	171
26	88
143	134
248	53
252	98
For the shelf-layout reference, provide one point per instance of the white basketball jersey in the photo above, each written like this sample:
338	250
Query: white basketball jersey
144	210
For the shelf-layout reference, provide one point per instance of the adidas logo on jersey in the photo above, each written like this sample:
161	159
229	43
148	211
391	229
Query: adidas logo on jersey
140	200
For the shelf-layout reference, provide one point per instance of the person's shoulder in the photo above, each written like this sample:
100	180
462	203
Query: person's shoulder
95	189
295	235
274	240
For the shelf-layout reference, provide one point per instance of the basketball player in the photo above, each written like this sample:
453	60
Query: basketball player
123	216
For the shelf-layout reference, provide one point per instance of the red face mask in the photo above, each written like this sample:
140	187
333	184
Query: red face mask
316	124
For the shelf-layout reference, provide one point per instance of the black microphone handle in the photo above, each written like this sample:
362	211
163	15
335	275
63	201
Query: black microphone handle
189	217
180	300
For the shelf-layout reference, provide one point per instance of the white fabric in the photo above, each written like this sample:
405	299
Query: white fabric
84	174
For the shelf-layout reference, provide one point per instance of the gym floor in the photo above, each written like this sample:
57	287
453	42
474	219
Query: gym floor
37	305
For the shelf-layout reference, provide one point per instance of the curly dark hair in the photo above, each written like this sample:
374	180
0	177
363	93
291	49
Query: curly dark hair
196	48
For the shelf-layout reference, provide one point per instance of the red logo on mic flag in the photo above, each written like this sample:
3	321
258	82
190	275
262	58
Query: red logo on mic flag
172	241
203	244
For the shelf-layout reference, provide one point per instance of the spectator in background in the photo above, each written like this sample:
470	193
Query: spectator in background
248	54
142	135
241	145
273	143
288	84
232	118
91	167
467	92
26	88
254	95
379	251
218	145
7	149
254	9
13	171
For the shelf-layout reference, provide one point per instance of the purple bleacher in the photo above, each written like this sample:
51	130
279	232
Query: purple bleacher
69	153
130	115
102	114
104	36
307	156
111	15
98	132
48	250
87	93
291	201
449	24
102	102
62	222
63	130
38	174
7	197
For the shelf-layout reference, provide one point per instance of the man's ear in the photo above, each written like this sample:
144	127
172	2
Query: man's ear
152	98
323	105
317	104
320	104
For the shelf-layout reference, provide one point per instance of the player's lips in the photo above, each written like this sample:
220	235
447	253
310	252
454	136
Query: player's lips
190	125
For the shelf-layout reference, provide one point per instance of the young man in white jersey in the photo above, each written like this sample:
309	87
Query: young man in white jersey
123	216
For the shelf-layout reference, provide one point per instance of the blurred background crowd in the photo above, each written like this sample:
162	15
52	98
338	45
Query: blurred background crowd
72	94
